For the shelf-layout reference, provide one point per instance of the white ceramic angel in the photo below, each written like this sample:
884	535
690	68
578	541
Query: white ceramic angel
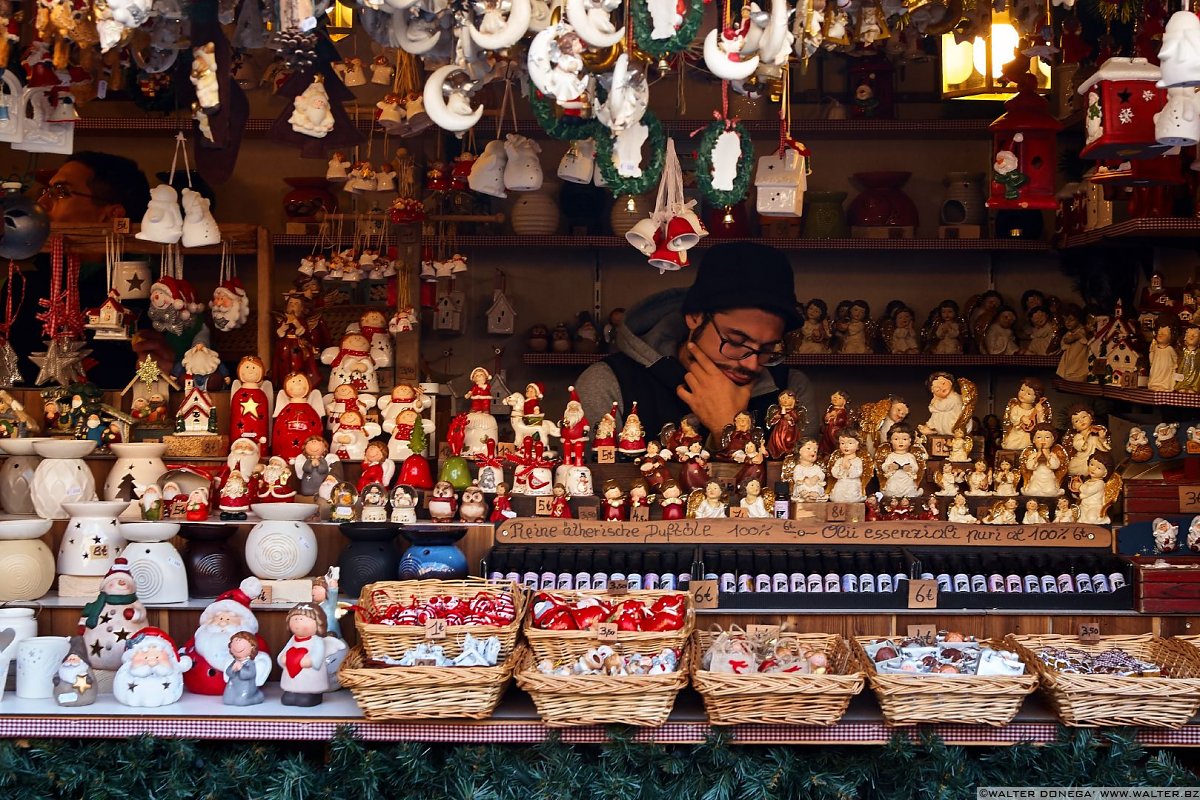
204	77
351	435
628	96
1097	493
948	479
847	467
1065	512
900	467
808	477
556	63
946	404
665	18
959	511
979	479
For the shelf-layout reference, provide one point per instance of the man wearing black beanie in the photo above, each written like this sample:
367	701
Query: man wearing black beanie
711	350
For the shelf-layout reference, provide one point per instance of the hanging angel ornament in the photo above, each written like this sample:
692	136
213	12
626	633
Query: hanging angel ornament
592	21
447	97
556	66
628	97
496	31
726	48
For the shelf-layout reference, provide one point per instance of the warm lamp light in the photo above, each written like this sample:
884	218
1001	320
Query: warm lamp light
341	20
975	69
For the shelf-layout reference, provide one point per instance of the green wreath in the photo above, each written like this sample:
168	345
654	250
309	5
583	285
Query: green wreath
564	128
704	177
661	47
651	172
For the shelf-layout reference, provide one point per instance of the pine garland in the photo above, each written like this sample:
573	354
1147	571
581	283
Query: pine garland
565	128
651	171
642	26
719	769
704	176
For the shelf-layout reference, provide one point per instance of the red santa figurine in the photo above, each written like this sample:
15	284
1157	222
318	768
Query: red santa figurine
250	403
209	645
298	412
606	430
275	483
574	427
632	441
376	466
234	499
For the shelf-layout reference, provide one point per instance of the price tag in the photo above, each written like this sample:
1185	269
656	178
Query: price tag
99	551
120	225
736	511
504	448
618	586
837	512
927	633
435	629
922	594
542	509
704	594
586	512
606	455
1089	632
762	631
639	514
606	631
1189	498
268	591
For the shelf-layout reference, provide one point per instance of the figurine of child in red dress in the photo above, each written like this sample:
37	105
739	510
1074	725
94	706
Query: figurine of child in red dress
376	466
614	506
501	505
837	416
250	403
785	421
560	506
673	506
298	412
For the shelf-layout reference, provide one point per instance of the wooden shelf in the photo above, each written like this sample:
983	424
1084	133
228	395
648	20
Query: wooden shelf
835	360
1139	396
89	240
1136	232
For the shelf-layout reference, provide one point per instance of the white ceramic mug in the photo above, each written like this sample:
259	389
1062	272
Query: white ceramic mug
38	660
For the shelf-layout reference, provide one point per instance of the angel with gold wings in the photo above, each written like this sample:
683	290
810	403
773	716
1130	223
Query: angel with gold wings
877	418
804	475
850	469
758	502
902	463
1024	413
945	330
735	437
785	421
1099	491
898	331
855	332
707	503
951	404
1043	464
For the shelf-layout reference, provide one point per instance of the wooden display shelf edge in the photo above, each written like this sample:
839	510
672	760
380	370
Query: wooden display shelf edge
90	240
833	360
1135	231
567	241
1139	396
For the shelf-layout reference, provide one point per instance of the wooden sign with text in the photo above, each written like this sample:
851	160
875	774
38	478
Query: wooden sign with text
704	594
922	594
1189	499
528	530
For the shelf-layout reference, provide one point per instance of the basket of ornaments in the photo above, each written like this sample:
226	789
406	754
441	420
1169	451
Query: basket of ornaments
772	676
946	677
604	684
425	682
1141	680
393	617
561	625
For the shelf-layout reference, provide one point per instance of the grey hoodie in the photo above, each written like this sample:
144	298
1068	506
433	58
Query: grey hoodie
655	329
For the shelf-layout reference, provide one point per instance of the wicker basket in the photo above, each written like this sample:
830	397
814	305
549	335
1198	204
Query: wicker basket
394	641
780	698
1093	700
571	700
915	699
393	693
560	645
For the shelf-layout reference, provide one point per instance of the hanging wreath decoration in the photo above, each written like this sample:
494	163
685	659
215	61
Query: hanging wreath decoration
642	25
651	172
704	165
565	128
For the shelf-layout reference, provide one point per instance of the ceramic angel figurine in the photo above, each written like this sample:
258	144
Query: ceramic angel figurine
948	478
960	447
1164	359
855	333
903	464
1084	439
1043	332
1099	491
671	500
653	465
708	503
815	334
1043	464
950	407
1005	479
837	418
556	64
1035	513
979	479
945	330
876	419
1023	413
693	471
1002	512
753	465
351	435
959	511
785	421
805	475
735	436
1193	535
758	504
683	435
250	403
297	416
901	332
1189	361
306	658
1001	338
850	468
1065	512
614	507
1073	363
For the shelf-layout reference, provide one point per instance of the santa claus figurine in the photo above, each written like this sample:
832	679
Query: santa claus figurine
109	620
234	498
250	403
575	429
376	467
632	441
151	675
351	435
230	306
208	649
606	430
243	457
351	362
75	683
308	658
298	412
275	483
197	506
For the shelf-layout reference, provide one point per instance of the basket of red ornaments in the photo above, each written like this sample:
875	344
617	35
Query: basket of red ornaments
945	677
561	624
1141	680
393	617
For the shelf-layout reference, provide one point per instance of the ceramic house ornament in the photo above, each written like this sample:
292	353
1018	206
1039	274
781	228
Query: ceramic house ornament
1024	152
1179	56
781	180
1122	98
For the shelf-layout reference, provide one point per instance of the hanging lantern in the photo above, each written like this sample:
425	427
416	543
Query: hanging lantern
983	68
1122	99
1024	152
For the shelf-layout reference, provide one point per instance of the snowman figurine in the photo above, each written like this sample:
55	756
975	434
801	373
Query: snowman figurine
199	227
112	618
163	222
351	362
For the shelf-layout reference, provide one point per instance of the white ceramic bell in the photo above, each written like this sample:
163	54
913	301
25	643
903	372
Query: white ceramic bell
579	162
199	227
92	539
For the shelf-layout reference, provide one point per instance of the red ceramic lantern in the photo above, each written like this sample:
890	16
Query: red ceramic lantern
1024	152
1122	99
872	88
1162	171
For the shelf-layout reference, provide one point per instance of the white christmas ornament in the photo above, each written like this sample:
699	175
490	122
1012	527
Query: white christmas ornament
1178	124
627	150
781	180
591	20
496	32
725	156
722	55
487	173
628	97
415	32
199	227
579	162
522	169
447	102
556	63
163	222
311	115
204	77
1179	56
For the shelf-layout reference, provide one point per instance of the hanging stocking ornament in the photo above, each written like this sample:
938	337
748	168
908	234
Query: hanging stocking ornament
10	371
230	304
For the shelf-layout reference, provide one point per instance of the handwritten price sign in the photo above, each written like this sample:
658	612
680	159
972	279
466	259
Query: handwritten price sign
606	631
922	594
1089	632
704	594
435	629
1189	498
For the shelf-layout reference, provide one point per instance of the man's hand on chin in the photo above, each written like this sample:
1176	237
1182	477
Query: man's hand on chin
709	392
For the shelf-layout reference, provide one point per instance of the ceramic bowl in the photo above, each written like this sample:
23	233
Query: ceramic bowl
23	528
19	447
291	512
64	448
148	531
96	508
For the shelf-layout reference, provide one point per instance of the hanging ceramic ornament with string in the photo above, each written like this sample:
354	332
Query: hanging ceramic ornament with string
724	161
163	221
110	320
230	306
173	307
14	294
488	171
673	229
62	322
781	178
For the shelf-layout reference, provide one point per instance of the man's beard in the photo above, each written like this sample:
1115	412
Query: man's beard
212	644
572	416
67	673
145	670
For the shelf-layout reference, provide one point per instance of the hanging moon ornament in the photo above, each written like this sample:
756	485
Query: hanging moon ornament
539	59
726	66
776	44
408	37
540	16
449	116
577	15
514	28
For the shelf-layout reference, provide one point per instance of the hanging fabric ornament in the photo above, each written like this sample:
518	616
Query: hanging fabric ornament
14	294
230	304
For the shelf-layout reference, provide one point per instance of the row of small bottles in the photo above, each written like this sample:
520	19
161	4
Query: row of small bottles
1027	574
761	571
586	569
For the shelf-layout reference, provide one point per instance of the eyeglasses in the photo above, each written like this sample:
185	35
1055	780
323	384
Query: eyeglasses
740	351
61	191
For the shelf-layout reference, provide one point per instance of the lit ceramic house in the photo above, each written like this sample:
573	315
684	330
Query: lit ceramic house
1024	152
501	317
1122	99
109	320
196	414
780	181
